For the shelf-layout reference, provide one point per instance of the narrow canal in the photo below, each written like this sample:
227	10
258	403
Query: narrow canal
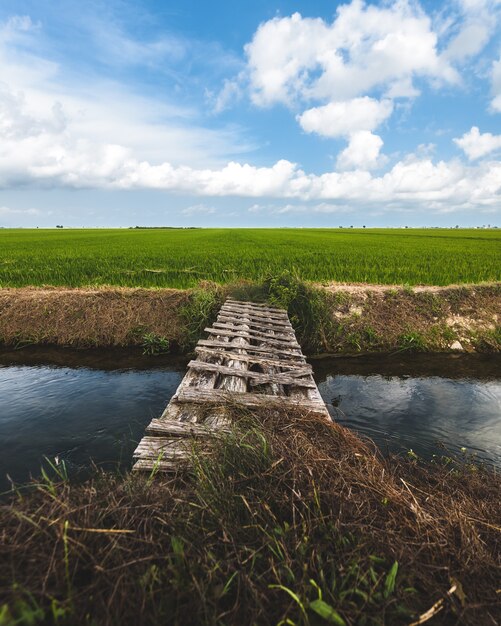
91	408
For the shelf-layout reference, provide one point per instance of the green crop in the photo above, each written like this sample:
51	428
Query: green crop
183	257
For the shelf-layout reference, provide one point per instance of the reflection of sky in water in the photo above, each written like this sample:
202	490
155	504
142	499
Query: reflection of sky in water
76	413
419	412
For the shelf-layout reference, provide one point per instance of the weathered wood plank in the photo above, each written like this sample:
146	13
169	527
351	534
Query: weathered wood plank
148	465
255	323
163	448
172	428
255	313
289	337
259	360
255	305
292	351
219	396
290	377
248	335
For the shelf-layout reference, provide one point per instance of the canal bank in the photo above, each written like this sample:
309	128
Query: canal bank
334	318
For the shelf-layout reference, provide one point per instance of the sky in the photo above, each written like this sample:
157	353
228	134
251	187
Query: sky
224	113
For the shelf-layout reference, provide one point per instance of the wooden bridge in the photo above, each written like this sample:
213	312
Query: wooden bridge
250	358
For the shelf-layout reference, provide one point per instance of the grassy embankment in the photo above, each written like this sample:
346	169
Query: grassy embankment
288	520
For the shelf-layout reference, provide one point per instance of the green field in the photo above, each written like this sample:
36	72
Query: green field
181	258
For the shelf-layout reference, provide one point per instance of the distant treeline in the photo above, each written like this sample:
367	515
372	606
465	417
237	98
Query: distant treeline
165	227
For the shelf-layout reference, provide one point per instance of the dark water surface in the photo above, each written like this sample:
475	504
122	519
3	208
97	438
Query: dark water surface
431	404
94	406
78	406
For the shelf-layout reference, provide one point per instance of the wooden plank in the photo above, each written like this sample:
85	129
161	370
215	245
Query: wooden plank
228	308
291	377
292	351
256	333
249	335
274	318
172	428
256	314
173	466
218	396
261	323
259	360
256	305
163	448
234	366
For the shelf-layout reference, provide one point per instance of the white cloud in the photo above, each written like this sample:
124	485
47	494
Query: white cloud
476	144
343	118
365	46
231	92
470	40
362	152
414	183
496	85
55	132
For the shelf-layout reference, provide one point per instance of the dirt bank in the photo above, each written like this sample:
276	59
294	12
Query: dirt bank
89	317
357	318
372	318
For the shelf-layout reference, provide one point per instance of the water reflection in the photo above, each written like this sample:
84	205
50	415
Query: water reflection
76	414
401	411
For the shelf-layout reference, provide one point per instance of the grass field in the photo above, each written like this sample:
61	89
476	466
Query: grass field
181	258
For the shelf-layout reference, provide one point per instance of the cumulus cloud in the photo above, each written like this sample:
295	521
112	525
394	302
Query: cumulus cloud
53	134
338	65
476	145
344	118
362	152
364	47
469	41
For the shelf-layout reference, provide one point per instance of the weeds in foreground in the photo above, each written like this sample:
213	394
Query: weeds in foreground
290	520
412	341
309	308
154	344
200	311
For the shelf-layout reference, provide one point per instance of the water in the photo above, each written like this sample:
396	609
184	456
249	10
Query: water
92	412
92	407
429	404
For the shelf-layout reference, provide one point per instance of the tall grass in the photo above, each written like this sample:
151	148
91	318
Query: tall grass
182	258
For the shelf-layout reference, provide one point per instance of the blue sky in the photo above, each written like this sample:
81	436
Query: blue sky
119	113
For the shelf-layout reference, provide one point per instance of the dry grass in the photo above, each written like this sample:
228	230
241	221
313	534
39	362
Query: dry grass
102	317
289	519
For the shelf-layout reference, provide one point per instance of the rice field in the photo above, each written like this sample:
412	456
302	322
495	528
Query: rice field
182	257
